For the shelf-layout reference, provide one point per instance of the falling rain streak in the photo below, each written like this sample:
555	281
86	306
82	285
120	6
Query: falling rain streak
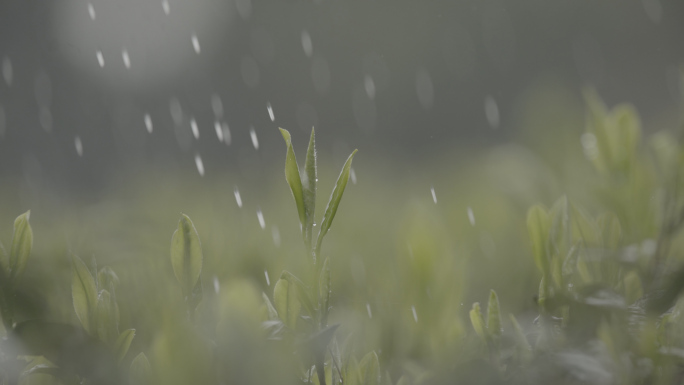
217	286
91	11
100	58
238	199
7	72
370	315
226	134
471	216
165	6
268	280
307	45
353	176
434	196
270	111
148	123
195	44
199	164
126	59
415	316
260	217
219	131
79	145
255	140
194	128
276	236
491	112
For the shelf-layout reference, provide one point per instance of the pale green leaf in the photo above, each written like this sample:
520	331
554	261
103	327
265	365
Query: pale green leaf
105	318
84	294
334	201
370	369
633	287
140	371
538	229
293	178
477	321
123	343
22	242
286	301
494	326
352	373
186	255
309	181
520	337
302	291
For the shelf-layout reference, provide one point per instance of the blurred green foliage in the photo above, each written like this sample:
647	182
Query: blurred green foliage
578	258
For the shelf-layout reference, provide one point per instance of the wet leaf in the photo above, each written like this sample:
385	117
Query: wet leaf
84	294
286	301
22	242
334	201
140	370
477	321
123	343
293	178
309	181
186	254
370	369
494	326
105	318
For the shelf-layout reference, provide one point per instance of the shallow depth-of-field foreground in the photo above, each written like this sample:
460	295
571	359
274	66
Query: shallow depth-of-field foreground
497	266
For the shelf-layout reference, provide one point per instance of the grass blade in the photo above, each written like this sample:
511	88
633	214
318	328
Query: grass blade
334	201
293	179
83	293
22	242
494	315
309	180
186	254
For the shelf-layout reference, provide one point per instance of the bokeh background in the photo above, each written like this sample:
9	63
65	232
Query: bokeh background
116	116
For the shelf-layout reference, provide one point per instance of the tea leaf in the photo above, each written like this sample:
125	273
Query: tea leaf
123	343
301	290
84	293
334	201
22	242
477	321
140	370
309	181
186	254
494	326
293	179
105	322
370	369
286	301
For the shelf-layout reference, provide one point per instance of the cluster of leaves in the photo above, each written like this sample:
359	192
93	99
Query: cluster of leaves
608	300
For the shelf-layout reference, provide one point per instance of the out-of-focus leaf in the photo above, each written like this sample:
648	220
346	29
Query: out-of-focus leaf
494	326
633	289
477	321
186	254
520	338
603	297
583	226
352	373
272	313
107	278
286	301
370	369
309	181
665	297
140	370
4	259
22	242
293	178
597	125
560	227
106	323
315	345
538	228
303	292
403	380
611	231
625	136
84	294
334	201
324	291
123	343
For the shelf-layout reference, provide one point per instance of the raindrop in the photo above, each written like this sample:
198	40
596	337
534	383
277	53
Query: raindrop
100	58
45	118
260	217
148	123
276	235
434	196
320	74
217	105
217	286
7	72
226	134
219	131
176	111
91	11
370	315
126	58
199	164
194	128
250	71
415	316
353	176
244	8
491	111
268	280
425	88
369	85
255	141
79	145
3	122
307	44
165	6
238	199
270	111
654	10
471	216
195	44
